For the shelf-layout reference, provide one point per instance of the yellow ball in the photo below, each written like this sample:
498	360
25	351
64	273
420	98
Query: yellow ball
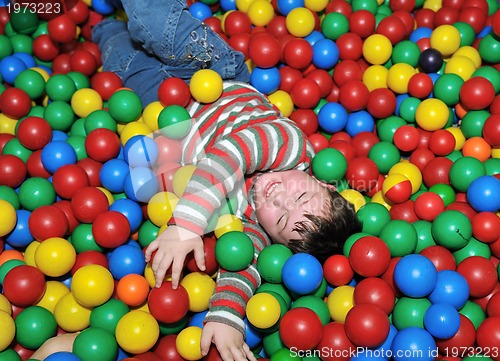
92	285
446	39
398	77
55	257
260	12
29	253
243	5
300	22
316	5
84	101
495	152
137	331
181	178
354	197
42	72
379	198
227	223
200	287
108	195
433	5
339	302
283	101
377	49
160	208
461	65
458	135
471	53
375	77
70	315
151	113
8	330
7	124
410	171
5	305
54	292
188	343
263	310
432	114
134	128
206	86
8	217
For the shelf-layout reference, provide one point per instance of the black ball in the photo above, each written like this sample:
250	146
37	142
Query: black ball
430	60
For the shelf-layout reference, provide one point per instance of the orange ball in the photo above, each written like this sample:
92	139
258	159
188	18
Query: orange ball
476	147
9	254
132	289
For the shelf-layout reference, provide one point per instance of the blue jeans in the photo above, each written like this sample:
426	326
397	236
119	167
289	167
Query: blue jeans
160	40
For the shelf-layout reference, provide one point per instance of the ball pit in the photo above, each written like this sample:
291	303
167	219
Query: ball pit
400	100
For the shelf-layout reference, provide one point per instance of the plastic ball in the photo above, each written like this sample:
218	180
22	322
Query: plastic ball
377	49
92	285
174	122
266	80
137	332
88	203
305	93
369	256
94	343
300	22
53	293
416	339
174	91
227	223
475	268
125	106
325	54
301	329
126	259
460	65
15	103
188	343
24	285
302	273
486	227
329	165
430	60
376	291
141	184
34	326
260	13
34	132
445	39
483	194
110	229
271	261
397	188
442	320
282	101
399	76
55	257
57	154
332	117
477	93
8	217
9	330
11	66
340	301
200	288
478	148
367	325
206	86
168	305
362	173
85	101
102	144
415	275
263	310
491	130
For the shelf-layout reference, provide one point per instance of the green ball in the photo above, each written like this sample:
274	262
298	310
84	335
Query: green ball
83	240
491	74
473	122
452	229
464	171
175	327
373	217
36	111
272	343
492	7
234	251
400	236
409	312
22	43
278	288
125	106
424	235
473	248
148	232
174	122
492	166
60	115
95	344
388	126
384	9
78	144
78	128
60	87
445	191
316	304
334	25
8	194
34	326
31	82
285	354
271	260
9	355
467	33
454	155
473	312
318	107
5	46
36	192
447	88
370	5
42	29
408	108
81	80
406	52
99	119
24	21
7	266
107	315
14	147
385	155
478	356
489	48
329	165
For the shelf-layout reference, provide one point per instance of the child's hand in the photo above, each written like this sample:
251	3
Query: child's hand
228	340
173	245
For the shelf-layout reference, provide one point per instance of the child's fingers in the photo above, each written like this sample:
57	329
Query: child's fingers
160	266
153	246
177	267
249	353
199	256
238	354
206	341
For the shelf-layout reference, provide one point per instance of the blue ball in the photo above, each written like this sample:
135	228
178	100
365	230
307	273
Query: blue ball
113	174
332	117
140	151
325	54
121	354
20	236
63	356
302	273
442	320
413	343
483	194
130	209
56	154
200	10
314	37
26	58
285	6
59	135
486	30
10	67
227	5
253	338
451	288
197	319
103	7
420	33
125	260
358	122
399	99
266	80
415	275
140	184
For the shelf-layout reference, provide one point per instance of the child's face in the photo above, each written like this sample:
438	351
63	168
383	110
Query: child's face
283	198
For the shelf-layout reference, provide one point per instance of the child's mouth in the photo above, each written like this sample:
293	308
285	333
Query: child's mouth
270	188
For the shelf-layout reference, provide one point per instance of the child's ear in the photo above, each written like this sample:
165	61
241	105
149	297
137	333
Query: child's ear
326	185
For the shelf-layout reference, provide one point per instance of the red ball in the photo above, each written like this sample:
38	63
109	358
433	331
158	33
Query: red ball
493	306
354	95
35	166
362	173
323	79
237	22
486	227
392	28
375	291
92	168
495	23
110	229
406	138
240	42
306	120
350	46
480	273
346	71
166	349
68	179
462	207
62	64
491	130
345	148
89	257
174	91
407	18
442	142
424	18
298	53
337	270
44	48
211	264
335	339
83	62
362	22
34	132
277	26
305	93
79	12
369	256
428	206
301	329
388	276
102	144
404	211
367	325
62	28
462	340
477	93
169	150
474	16
12	170
441	257
88	203
421	157
446	16
165	174
24	285
437	171
65	206
420	85
264	49
488	336
407	5
93	49
15	103
4	138
105	83
381	103
46	222
363	142
318	141
168	305
289	76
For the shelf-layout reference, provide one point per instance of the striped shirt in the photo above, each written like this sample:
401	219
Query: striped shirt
231	142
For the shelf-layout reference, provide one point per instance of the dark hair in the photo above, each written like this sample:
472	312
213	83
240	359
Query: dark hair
323	236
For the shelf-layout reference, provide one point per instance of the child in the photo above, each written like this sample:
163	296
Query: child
243	148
